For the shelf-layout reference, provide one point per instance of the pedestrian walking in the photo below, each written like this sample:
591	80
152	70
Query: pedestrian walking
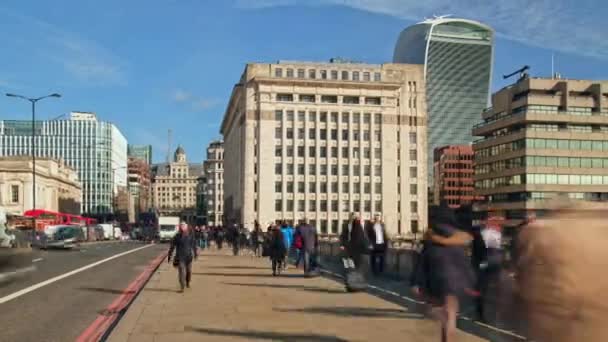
219	238
353	240
234	236
256	239
490	267
309	249
378	238
450	275
288	233
184	245
277	250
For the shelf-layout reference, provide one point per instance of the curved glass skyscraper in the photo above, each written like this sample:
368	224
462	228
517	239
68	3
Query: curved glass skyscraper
458	56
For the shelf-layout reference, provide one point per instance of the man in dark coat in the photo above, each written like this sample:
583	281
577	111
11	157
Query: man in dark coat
184	244
376	234
310	243
353	240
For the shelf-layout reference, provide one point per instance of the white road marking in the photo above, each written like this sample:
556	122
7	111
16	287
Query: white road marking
65	275
37	259
506	332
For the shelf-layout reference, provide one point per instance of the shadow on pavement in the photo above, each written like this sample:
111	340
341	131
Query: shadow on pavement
238	267
251	275
357	312
160	290
296	287
99	289
265	335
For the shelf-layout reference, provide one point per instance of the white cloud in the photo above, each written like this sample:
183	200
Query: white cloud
85	60
562	25
192	102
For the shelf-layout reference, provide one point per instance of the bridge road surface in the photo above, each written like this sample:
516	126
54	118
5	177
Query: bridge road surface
238	299
62	310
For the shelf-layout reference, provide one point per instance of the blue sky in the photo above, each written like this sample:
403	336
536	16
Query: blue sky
152	65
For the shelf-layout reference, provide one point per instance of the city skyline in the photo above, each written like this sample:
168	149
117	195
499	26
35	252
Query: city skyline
182	78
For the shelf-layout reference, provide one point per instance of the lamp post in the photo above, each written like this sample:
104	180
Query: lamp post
33	101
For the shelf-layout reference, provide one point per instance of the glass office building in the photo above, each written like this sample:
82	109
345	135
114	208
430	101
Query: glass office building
96	149
142	152
458	56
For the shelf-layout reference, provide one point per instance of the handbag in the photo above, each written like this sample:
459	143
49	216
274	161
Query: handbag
175	261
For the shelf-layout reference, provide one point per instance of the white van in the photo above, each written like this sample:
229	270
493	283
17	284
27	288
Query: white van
108	231
167	227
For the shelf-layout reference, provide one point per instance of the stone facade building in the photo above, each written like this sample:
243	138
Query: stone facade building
318	141
57	186
213	184
174	187
543	138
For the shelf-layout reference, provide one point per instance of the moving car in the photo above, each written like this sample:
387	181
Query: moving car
66	237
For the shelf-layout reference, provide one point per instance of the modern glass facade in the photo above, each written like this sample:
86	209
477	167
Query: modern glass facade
143	152
96	149
458	57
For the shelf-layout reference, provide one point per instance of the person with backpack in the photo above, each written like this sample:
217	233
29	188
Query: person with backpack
184	245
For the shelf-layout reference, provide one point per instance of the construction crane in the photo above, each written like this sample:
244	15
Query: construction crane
523	73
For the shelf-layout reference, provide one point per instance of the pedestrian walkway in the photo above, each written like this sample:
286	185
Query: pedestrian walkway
238	299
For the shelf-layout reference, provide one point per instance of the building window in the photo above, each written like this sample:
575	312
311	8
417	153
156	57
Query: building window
278	186
278	72
323	74
334	74
312	134
289	133
14	193
377	135
312	187
300	151
334	205
301	133
312	73
323	117
366	76
356	170
278	115
334	134
377	77
345	170
377	119
413	138
289	205
334	187
290	169
307	98
355	75
344	152
278	133
312	205
413	172
366	118
378	206
344	134
350	100
413	189
301	188
278	151
367	153
334	170
367	170
323	187
301	116
366	135
278	205
301	73
289	72
323	134
334	152
329	99
345	75
377	153
323	205
414	226
300	169
378	188
312	169
345	187
323	152
278	169
289	187
323	171
367	188
285	97
312	117
414	207
372	100
413	155
290	151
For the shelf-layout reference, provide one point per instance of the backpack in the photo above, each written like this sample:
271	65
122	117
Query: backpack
298	242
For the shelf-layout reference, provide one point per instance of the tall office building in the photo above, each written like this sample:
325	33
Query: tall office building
143	152
543	138
213	188
318	141
458	56
97	150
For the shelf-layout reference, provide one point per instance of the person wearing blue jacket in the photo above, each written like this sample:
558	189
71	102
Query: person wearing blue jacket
288	233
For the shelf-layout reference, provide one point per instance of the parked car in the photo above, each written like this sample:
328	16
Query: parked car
66	237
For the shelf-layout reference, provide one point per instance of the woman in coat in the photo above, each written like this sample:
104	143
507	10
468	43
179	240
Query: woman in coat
277	250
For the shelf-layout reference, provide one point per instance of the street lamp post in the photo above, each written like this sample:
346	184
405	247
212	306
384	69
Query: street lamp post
33	101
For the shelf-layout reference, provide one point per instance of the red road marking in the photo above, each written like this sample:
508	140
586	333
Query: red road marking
104	321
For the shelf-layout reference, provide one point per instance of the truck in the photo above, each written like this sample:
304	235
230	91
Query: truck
167	227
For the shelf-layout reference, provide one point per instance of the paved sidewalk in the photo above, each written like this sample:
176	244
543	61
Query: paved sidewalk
238	299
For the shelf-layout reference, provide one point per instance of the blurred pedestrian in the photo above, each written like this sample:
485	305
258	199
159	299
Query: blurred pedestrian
288	233
490	267
310	246
378	238
353	240
184	244
277	250
256	239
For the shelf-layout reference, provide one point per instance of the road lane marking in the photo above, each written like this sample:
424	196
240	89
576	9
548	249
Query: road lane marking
37	259
65	275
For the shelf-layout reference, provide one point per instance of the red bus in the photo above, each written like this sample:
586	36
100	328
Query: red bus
44	218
